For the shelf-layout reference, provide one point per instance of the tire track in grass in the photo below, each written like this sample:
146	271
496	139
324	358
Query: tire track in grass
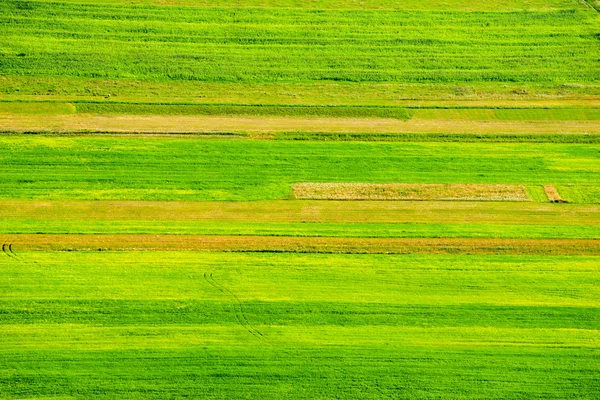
237	305
7	248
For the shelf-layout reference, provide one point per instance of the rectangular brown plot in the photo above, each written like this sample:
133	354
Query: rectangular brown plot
408	191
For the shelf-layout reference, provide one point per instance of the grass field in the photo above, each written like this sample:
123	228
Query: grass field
95	168
298	326
284	199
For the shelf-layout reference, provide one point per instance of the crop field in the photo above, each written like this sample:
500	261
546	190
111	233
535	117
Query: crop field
284	199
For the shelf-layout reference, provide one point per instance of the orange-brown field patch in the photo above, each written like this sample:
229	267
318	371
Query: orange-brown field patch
553	195
15	243
403	191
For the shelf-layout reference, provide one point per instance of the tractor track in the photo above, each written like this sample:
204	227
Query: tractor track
7	248
239	310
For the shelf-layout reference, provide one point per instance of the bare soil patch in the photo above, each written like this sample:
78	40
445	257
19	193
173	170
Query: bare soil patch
404	191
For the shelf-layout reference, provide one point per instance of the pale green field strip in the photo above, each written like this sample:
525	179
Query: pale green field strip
214	325
119	168
13	244
464	112
354	230
509	94
482	5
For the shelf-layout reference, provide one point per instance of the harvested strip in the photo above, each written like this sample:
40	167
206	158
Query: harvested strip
553	196
302	245
431	212
264	126
404	191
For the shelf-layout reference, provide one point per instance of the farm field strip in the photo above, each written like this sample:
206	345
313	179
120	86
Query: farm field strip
433	112
14	243
403	191
405	319
264	127
93	168
510	94
302	229
485	5
295	45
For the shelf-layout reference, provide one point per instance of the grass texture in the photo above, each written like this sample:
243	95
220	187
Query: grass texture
115	42
93	168
156	324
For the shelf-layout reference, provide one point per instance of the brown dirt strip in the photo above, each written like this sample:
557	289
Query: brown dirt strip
301	245
408	191
279	211
259	126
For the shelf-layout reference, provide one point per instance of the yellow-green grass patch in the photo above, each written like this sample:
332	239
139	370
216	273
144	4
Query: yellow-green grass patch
448	5
508	114
405	191
280	211
33	108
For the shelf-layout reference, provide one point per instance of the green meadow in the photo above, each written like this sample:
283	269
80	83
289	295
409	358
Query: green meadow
121	168
152	246
172	324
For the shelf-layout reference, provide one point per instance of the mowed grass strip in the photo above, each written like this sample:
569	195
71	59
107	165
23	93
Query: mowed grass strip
14	243
403	191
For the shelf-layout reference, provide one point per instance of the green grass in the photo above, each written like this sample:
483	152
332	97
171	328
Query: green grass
148	325
477	113
243	109
403	230
432	137
489	5
183	169
111	42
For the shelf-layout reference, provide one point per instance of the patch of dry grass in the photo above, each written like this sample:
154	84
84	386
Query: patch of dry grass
440	212
259	126
553	195
405	191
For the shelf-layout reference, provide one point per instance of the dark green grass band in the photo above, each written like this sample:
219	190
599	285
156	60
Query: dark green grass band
243	110
345	137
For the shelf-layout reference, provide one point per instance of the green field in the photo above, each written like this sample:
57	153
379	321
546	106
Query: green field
150	325
154	244
121	168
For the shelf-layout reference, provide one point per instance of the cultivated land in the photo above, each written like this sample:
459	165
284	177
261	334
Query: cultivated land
293	199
